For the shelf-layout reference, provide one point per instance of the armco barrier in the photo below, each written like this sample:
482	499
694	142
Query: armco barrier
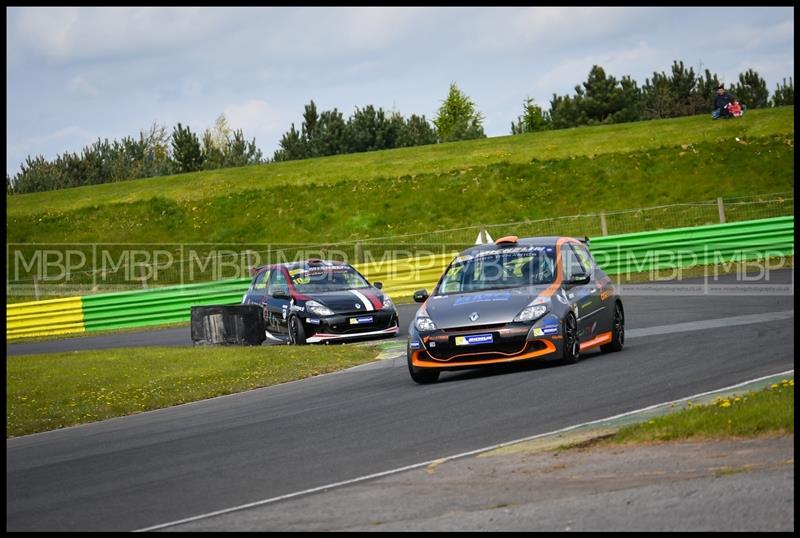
699	245
43	318
663	249
160	306
157	306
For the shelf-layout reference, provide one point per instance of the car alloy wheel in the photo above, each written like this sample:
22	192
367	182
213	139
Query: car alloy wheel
572	346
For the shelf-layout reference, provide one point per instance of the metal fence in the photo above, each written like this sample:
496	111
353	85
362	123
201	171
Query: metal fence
143	266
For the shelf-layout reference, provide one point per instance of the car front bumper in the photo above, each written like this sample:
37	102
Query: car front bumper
510	342
383	324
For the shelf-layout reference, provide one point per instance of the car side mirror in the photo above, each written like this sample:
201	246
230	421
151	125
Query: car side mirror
378	285
578	279
420	296
281	293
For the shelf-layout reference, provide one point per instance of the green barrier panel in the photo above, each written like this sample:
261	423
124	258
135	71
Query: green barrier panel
701	245
158	306
637	252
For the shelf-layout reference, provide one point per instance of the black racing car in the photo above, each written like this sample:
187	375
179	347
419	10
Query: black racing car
320	301
514	300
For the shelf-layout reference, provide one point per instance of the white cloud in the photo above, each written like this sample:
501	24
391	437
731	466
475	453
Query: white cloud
257	119
79	85
542	30
319	34
72	139
65	35
572	71
744	36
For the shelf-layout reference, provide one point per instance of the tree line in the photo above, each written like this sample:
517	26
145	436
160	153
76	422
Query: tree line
154	153
601	99
367	129
681	92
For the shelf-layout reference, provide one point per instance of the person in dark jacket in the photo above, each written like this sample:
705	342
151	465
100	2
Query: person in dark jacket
721	101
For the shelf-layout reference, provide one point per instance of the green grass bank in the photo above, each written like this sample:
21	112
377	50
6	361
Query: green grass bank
420	189
56	390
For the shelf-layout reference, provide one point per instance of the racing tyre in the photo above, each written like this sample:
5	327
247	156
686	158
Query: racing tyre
617	331
572	346
422	376
297	333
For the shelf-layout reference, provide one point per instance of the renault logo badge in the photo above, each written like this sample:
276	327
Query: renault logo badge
474	316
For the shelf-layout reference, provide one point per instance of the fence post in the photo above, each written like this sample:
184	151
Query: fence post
144	276
721	207
249	261
359	254
603	224
483	235
36	287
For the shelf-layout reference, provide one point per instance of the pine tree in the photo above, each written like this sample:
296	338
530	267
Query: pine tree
457	118
416	132
292	147
751	91
784	94
532	119
186	150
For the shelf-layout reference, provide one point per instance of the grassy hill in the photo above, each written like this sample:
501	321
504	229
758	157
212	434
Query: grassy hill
434	159
428	188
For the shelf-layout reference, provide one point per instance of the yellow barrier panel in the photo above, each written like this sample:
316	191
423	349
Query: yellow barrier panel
406	275
44	318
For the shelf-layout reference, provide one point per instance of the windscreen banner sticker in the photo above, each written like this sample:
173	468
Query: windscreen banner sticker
515	250
301	275
505	251
360	321
482	298
474	339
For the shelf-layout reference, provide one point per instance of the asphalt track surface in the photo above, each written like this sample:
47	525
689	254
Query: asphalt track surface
157	467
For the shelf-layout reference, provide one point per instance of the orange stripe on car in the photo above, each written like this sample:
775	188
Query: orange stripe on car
596	341
416	361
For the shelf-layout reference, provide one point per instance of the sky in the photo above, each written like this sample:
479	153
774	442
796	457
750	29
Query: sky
76	74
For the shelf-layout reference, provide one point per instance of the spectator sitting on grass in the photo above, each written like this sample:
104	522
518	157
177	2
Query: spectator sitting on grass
736	110
721	102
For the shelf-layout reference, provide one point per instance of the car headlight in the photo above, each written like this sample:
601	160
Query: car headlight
388	304
424	324
318	309
531	312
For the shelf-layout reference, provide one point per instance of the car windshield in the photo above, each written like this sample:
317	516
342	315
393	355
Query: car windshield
502	268
326	278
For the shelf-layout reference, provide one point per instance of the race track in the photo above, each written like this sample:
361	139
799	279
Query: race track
152	468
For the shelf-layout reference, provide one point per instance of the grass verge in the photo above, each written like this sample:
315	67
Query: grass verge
52	391
426	202
767	411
